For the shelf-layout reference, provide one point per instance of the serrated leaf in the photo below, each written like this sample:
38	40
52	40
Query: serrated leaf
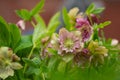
37	8
15	35
29	62
54	23
24	14
26	41
66	18
98	10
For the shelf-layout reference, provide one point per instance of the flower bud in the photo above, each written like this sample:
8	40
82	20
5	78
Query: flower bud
21	24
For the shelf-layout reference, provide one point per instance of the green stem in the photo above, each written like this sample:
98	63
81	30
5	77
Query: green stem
31	52
33	24
43	76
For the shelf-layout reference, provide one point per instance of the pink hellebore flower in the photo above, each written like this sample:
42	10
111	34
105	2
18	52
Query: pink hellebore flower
80	22
21	24
69	41
84	27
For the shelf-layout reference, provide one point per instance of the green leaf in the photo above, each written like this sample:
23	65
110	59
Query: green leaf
90	9
53	62
40	20
66	18
54	23
98	10
24	14
39	31
26	41
4	22
37	8
15	35
4	33
102	25
29	62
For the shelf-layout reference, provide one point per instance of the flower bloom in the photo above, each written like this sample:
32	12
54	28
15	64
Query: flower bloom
84	27
70	42
81	22
8	62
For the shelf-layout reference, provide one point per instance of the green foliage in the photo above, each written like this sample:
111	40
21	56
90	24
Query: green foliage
37	8
66	19
39	32
15	35
5	38
27	15
92	10
25	42
24	14
54	23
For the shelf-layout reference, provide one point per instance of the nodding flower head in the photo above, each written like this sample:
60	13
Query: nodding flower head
21	24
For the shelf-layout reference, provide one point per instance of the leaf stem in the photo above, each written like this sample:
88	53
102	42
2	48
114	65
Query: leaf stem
31	52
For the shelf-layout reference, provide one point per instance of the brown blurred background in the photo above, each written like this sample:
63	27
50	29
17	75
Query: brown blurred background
112	13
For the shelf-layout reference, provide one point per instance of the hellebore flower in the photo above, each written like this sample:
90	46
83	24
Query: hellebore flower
8	62
97	53
81	22
70	42
96	49
73	14
84	27
86	32
21	24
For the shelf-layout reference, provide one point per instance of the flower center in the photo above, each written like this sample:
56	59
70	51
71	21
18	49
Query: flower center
69	43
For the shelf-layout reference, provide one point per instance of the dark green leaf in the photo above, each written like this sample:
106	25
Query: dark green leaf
15	35
5	38
26	41
37	8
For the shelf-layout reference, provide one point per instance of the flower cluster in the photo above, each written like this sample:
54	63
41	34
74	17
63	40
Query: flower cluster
78	41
